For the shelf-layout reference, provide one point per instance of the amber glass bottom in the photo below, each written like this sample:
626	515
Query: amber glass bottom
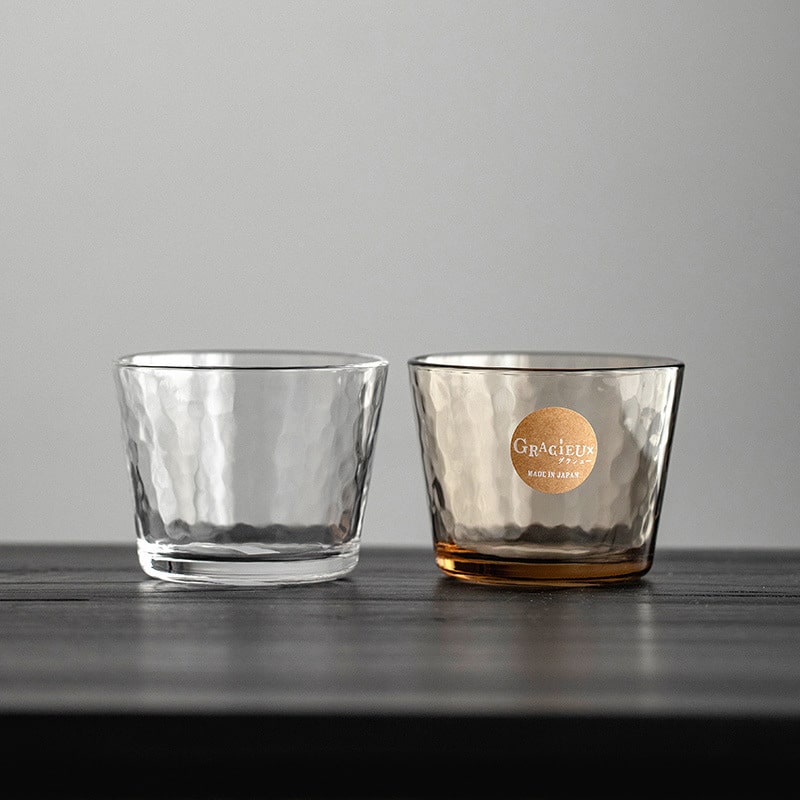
475	567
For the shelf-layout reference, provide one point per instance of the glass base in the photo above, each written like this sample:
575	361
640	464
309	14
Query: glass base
180	568
475	567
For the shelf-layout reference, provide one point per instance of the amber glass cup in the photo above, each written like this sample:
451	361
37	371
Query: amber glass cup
545	468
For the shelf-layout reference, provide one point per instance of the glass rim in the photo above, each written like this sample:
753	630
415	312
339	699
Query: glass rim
252	359
582	361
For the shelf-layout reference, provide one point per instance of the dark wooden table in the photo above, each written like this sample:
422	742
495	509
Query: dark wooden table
398	681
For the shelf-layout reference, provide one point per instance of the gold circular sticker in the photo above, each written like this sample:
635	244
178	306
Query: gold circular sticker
554	449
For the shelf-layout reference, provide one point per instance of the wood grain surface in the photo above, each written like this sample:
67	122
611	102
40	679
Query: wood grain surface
398	681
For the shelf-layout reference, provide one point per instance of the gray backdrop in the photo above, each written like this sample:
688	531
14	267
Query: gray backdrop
398	178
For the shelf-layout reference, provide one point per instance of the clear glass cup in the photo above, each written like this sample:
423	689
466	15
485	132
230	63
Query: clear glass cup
249	467
545	468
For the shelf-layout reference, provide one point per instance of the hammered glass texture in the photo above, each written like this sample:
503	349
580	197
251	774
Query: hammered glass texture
258	475
479	504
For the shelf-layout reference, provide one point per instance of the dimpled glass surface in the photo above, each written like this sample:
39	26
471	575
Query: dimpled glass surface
466	418
248	474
